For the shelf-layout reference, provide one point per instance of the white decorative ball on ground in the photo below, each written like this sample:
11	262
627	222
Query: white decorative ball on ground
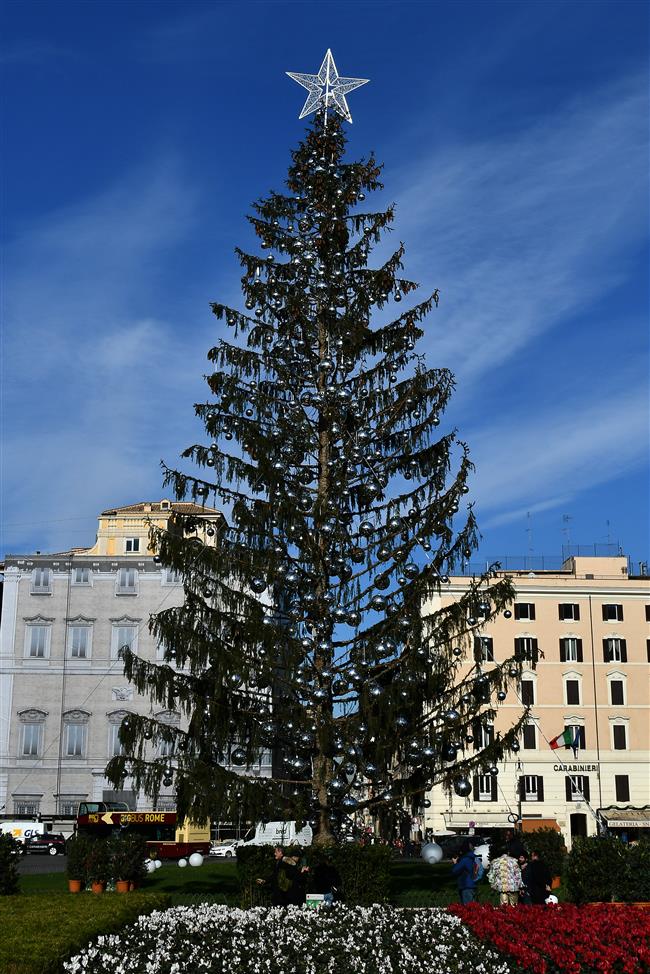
182	863
157	863
551	899
151	866
431	853
196	859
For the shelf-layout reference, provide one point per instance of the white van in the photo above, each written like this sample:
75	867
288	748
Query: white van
22	830
279	833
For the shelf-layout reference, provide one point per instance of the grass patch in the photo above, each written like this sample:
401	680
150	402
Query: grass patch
37	939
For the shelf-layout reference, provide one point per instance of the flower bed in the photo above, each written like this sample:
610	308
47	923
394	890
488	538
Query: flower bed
211	939
566	939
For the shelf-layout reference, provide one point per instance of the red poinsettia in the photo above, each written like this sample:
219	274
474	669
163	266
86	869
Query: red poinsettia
595	939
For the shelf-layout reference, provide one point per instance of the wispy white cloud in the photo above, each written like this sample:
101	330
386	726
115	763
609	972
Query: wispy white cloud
546	459
521	231
90	381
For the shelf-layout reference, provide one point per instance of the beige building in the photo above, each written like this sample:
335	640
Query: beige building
588	628
63	693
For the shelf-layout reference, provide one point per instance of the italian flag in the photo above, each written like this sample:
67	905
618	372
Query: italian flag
562	740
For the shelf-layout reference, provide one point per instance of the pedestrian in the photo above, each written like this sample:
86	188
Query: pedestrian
524	892
464	869
326	880
284	879
514	845
504	876
538	879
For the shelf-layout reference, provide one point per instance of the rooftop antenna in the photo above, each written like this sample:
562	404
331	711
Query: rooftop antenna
529	532
609	534
566	530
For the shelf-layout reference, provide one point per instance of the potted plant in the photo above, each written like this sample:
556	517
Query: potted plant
98	865
128	857
77	850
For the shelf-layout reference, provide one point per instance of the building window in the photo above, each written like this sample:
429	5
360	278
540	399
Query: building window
614	650
75	735
32	739
41	581
131	545
528	692
525	610
531	788
69	804
81	576
526	649
647	613
171	577
612	613
616	693
115	746
37	641
79	642
529	737
485	788
127	581
569	612
622	786
124	636
577	735
27	805
166	748
619	737
483	735
483	649
570	650
647	649
572	692
577	788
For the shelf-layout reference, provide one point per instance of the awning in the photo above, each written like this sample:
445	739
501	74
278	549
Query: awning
627	818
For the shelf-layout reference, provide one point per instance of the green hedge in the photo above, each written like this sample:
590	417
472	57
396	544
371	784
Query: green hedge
39	934
364	871
602	869
549	845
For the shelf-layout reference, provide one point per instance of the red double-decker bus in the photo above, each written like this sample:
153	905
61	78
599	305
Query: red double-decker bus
165	838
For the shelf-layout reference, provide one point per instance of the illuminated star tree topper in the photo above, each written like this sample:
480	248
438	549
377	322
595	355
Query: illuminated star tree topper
327	88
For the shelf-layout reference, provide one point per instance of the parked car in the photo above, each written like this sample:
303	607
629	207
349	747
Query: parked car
226	850
451	846
53	843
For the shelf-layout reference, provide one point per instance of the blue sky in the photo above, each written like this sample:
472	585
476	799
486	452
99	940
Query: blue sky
515	143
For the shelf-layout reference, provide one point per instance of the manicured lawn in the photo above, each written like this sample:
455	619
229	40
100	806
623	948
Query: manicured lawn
38	933
214	880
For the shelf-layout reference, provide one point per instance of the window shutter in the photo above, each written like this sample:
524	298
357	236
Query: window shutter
493	783
531	609
579	649
475	786
623	651
540	788
647	649
605	616
562	651
517	648
606	655
534	651
576	613
585	788
522	788
560	611
477	649
567	788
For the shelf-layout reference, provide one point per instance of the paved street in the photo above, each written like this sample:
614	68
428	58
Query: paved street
36	865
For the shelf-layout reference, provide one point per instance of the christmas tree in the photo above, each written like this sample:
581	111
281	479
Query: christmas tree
304	628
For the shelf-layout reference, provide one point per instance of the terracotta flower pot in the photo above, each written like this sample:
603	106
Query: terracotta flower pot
122	886
75	885
98	886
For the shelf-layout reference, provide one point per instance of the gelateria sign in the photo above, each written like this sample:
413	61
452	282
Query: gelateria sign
575	768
